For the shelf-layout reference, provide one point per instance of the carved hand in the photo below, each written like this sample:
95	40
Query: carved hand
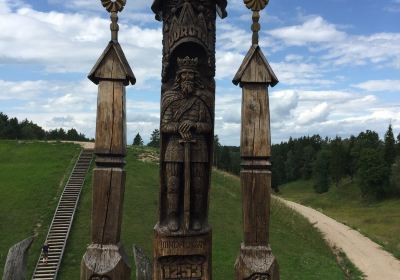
186	126
184	129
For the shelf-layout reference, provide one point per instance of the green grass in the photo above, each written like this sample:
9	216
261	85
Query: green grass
31	179
299	248
380	221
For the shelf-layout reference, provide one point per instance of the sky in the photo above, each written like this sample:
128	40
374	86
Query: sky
338	63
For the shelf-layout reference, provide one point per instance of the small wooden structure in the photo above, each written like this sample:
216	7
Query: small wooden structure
255	260
105	257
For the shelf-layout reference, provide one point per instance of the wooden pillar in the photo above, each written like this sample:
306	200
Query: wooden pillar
183	236
255	260
105	257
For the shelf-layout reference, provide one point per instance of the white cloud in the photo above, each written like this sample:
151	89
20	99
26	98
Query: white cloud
318	113
313	30
72	42
380	85
340	48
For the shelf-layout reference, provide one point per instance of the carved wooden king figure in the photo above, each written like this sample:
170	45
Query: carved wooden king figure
182	244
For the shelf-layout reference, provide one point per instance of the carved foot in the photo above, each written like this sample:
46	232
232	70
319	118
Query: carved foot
196	225
172	222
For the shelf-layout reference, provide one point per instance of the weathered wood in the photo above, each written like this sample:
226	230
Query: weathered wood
108	195
255	136
144	270
105	257
16	262
256	197
111	119
182	256
255	69
182	244
255	260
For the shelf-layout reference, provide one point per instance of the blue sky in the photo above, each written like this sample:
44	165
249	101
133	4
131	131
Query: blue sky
338	63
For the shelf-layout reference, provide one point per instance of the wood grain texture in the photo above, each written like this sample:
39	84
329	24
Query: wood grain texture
111	119
256	206
144	268
255	133
105	262
108	195
255	260
256	263
255	69
16	262
182	257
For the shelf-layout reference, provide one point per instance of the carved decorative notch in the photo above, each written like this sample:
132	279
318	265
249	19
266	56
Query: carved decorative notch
258	276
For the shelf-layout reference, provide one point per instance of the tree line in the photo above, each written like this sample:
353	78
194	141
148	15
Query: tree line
374	164
12	128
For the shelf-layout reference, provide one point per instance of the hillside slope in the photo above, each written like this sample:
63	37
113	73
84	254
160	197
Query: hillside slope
301	252
380	220
31	179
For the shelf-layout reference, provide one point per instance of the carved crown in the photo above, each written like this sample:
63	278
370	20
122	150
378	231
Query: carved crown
187	63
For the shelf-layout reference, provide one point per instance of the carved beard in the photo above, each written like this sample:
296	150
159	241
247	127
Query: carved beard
187	87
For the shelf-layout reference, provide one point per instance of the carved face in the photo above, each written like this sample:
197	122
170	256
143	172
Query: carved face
187	82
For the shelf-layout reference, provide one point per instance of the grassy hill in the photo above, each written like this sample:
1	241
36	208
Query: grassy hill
301	252
31	179
380	221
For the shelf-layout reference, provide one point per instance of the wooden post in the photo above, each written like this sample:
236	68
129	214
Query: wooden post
255	260
182	243
105	257
17	259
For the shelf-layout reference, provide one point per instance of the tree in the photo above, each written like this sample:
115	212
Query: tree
217	151
395	177
398	145
308	161
373	174
321	171
138	141
225	161
389	148
154	139
337	160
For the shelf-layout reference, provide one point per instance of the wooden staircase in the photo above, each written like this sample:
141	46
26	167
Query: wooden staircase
63	217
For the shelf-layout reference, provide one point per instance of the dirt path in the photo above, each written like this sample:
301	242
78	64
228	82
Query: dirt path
368	256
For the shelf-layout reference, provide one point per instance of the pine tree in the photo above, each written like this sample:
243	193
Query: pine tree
373	173
154	139
398	145
321	171
337	160
138	141
389	150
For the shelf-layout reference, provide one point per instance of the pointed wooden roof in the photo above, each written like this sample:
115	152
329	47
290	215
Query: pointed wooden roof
112	65
255	69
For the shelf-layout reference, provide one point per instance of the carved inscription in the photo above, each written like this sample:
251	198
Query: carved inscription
183	244
258	276
98	277
183	268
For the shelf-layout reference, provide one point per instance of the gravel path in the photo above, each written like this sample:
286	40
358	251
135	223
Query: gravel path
374	262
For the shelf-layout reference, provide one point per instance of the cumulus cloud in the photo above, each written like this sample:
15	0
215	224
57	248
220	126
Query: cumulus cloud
380	85
72	42
339	47
313	30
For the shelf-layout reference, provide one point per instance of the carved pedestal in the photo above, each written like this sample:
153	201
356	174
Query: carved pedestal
105	262
182	256
256	263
